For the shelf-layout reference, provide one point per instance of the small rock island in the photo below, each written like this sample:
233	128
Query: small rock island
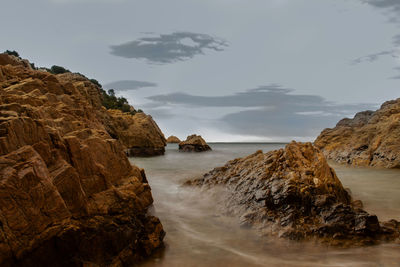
194	143
173	140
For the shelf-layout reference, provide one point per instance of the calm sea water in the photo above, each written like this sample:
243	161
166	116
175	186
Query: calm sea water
197	235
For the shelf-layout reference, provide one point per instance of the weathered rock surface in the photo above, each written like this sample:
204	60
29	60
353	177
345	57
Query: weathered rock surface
68	194
173	140
194	143
139	133
6	59
293	193
369	139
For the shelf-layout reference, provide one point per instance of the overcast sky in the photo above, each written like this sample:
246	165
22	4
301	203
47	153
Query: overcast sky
230	70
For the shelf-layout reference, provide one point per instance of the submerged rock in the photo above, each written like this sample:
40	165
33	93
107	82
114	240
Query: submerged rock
293	193
194	143
68	194
369	139
173	140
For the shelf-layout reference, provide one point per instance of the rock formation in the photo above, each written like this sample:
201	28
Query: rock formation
139	133
194	143
293	193
68	194
6	59
369	139
173	140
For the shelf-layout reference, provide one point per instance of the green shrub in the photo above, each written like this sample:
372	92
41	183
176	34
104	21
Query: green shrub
111	101
13	53
58	70
96	83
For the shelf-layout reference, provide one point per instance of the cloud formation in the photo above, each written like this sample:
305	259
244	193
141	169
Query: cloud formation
397	76
169	48
393	5
275	111
375	56
396	40
126	85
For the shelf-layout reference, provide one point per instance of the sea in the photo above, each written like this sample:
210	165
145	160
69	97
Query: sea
198	234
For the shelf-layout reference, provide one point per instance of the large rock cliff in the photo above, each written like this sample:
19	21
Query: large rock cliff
369	139
293	193
68	194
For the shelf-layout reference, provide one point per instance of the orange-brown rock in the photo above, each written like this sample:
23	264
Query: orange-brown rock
293	193
369	139
139	133
6	59
173	140
194	143
68	194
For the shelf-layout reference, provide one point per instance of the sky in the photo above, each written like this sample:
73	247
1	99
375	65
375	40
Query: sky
230	70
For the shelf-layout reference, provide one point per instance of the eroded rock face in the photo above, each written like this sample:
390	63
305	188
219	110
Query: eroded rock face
68	194
139	133
173	140
194	143
369	139
293	193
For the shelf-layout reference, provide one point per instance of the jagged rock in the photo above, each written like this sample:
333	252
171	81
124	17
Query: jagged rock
173	140
68	194
6	59
369	139
293	193
139	133
194	143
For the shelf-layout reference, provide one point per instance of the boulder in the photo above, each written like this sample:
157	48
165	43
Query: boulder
138	133
371	138
194	143
68	194
293	193
173	140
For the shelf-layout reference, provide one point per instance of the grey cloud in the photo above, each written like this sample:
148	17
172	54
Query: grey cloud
375	56
391	4
259	97
278	112
396	40
397	76
126	85
169	48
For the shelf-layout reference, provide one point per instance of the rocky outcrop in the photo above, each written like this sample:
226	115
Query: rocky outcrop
139	133
369	139
173	140
6	59
194	143
68	194
293	193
